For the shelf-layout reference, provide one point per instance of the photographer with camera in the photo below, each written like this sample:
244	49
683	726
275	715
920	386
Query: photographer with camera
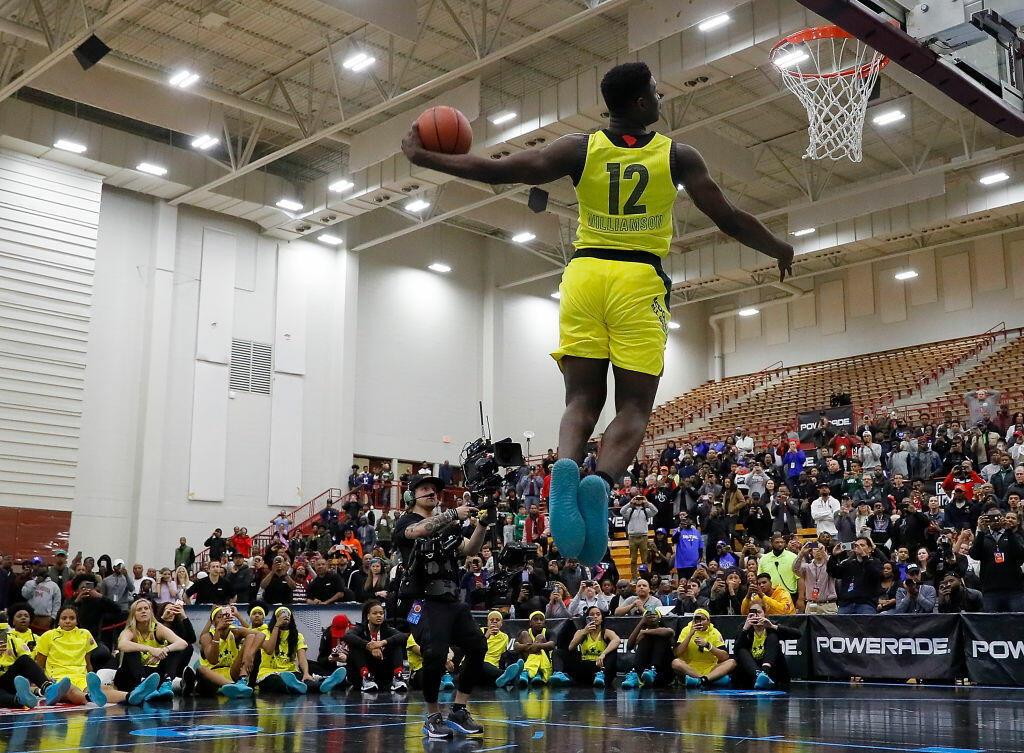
999	548
858	578
431	544
962	476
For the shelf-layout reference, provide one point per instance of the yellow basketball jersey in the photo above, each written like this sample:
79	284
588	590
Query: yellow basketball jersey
626	196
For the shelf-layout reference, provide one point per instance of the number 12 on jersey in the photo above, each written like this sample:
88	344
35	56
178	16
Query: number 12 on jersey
615	174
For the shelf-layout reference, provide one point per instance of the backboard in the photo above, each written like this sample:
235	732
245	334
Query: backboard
970	50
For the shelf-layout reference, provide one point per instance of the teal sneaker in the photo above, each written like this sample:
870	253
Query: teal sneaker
58	691
447	683
559	680
23	692
510	675
238	689
164	693
632	681
692	682
524	678
648	677
94	689
564	517
763	681
593	505
599	678
722	682
143	689
294	684
334	680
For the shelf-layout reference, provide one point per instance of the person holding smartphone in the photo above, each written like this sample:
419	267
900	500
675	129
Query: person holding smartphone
760	661
817	593
588	596
592	655
999	548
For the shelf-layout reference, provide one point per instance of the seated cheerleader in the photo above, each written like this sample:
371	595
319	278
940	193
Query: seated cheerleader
760	662
63	653
21	618
151	655
227	654
283	666
18	672
592	656
375	651
535	646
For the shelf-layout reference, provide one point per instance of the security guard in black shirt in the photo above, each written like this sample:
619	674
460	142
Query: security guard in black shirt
431	544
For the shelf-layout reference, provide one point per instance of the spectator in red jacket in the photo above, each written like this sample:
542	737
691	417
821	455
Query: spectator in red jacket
962	476
536	527
242	542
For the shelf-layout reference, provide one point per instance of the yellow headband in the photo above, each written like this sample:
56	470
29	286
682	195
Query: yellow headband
534	614
213	614
702	613
495	613
277	612
256	609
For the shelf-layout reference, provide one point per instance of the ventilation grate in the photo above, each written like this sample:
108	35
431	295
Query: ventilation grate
251	366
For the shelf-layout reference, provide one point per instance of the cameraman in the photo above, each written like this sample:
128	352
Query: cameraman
954	596
1000	551
437	618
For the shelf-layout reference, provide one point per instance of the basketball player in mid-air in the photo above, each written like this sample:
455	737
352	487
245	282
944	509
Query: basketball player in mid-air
614	292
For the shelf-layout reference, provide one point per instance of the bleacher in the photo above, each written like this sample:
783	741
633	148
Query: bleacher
681	411
1000	371
872	380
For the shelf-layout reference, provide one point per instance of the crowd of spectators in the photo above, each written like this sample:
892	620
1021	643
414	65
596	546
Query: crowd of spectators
890	518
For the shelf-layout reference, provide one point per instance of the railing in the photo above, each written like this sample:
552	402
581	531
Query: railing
303	517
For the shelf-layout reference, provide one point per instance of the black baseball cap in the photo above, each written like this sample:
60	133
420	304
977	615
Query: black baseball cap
419	480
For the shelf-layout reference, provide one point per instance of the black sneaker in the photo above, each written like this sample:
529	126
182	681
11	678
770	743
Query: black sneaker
461	721
188	681
435	728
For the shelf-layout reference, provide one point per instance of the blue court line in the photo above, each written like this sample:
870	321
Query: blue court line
947	750
500	747
177	741
538	735
778	738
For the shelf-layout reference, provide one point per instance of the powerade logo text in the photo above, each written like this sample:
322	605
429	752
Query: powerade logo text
883	646
840	422
789	648
998	649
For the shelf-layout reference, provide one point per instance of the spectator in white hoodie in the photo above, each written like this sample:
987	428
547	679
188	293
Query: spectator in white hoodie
43	595
823	511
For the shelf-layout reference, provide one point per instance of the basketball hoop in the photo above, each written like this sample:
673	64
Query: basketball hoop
832	73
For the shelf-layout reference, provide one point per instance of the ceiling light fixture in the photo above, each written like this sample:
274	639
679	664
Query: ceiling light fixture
289	205
502	117
988	180
439	267
790	58
205	142
906	274
674	325
888	117
749	311
680	187
149	167
183	79
523	237
359	62
557	295
805	231
416	205
69	146
330	240
714	22
340	186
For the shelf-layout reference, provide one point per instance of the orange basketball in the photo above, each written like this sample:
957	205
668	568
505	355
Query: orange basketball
445	129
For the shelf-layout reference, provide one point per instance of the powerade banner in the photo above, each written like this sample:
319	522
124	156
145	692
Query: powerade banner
888	647
840	418
994	648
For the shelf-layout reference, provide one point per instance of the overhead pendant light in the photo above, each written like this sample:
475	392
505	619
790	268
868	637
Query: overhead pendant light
289	205
417	205
805	231
502	117
149	167
674	325
888	117
557	295
183	79
69	146
340	186
749	311
714	22
906	274
988	180
523	237
204	142
330	240
790	59
360	61
441	267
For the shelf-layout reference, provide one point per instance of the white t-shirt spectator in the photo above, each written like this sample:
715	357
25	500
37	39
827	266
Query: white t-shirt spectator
823	511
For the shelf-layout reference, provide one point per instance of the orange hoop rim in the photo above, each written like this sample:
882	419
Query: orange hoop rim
825	32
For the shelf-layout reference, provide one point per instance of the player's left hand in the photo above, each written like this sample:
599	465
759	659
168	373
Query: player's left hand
785	261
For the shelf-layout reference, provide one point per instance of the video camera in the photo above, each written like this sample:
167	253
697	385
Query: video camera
508	567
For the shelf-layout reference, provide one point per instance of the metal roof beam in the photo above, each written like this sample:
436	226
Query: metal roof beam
409	95
61	52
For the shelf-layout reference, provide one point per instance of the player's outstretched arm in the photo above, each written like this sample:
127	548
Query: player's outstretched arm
532	167
742	226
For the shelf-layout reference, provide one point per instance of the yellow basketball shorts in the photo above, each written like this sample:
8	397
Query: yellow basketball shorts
614	309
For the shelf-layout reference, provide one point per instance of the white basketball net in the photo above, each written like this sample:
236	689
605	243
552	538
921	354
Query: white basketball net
833	77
